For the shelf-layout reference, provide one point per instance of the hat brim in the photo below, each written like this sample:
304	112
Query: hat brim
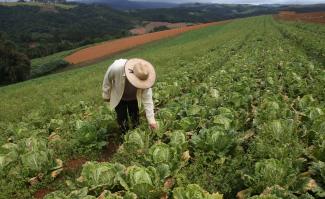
134	80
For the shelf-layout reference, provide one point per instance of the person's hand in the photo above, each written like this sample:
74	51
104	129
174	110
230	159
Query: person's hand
153	126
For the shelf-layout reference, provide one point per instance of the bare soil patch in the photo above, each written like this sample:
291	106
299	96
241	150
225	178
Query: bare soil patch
41	193
108	48
75	164
109	151
314	17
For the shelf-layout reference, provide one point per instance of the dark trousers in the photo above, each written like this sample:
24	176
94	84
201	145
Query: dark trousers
125	108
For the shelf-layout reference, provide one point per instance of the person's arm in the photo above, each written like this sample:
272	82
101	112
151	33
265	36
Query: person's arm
149	107
106	85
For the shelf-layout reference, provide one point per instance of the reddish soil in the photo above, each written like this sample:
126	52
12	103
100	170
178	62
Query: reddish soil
314	17
109	151
75	163
41	193
109	48
71	165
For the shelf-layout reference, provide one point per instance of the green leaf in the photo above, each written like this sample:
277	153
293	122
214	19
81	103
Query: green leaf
213	140
95	174
136	140
194	191
56	195
160	153
222	122
35	161
177	139
143	181
163	170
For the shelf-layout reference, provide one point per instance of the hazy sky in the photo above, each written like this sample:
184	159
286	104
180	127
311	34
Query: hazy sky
244	1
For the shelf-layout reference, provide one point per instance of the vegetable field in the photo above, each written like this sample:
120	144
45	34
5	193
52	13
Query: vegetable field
241	110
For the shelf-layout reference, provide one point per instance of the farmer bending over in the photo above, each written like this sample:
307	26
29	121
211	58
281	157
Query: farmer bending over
127	84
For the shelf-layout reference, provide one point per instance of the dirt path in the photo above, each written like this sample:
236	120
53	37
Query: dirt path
112	47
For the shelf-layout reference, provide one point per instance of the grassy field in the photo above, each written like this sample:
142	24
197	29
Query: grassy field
46	94
35	63
241	109
63	6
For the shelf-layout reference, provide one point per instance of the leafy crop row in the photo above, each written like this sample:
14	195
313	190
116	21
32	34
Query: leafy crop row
247	119
305	36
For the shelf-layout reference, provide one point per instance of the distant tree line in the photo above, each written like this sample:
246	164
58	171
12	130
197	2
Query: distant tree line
200	13
41	31
45	1
14	66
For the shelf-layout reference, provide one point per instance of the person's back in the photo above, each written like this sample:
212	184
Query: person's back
127	85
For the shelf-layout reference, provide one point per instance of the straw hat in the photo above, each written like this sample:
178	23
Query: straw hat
140	73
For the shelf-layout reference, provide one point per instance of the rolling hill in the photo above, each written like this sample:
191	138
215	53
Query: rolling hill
126	5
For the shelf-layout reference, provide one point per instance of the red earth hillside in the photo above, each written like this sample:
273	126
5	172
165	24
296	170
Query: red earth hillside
315	17
109	48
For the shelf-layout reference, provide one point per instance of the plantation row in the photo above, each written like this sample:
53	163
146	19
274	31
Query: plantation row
306	27
312	41
150	161
235	128
245	119
77	129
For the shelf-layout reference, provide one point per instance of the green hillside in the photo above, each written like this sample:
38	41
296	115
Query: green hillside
38	4
39	29
43	30
85	83
241	109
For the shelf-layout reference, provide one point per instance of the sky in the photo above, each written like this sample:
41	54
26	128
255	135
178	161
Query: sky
243	1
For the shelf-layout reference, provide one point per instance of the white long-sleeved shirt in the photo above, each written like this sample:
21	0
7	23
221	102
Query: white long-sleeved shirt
113	88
